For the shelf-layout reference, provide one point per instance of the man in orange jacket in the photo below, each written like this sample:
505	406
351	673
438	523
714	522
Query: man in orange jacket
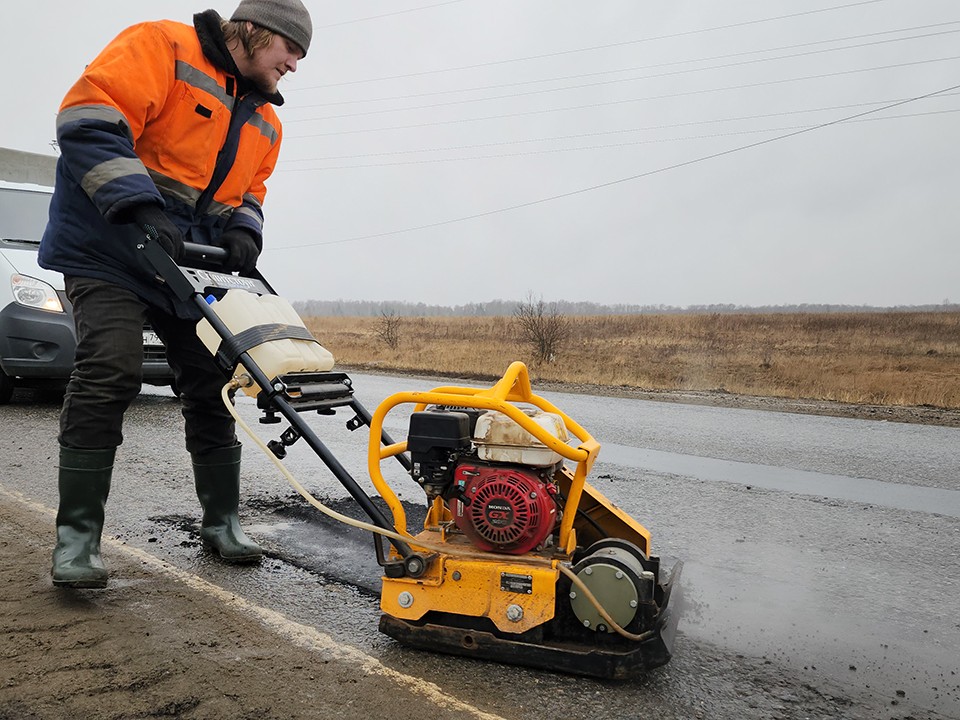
170	132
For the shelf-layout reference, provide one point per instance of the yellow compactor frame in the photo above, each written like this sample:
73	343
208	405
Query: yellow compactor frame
516	592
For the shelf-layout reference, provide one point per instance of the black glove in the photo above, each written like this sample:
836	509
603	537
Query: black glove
243	250
158	227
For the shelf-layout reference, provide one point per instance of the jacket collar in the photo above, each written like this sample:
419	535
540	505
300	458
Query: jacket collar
207	25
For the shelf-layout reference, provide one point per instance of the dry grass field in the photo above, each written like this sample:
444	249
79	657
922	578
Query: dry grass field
883	358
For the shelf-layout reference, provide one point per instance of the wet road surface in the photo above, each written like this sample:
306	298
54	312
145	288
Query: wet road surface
822	555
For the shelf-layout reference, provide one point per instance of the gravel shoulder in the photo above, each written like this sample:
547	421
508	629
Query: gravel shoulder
161	643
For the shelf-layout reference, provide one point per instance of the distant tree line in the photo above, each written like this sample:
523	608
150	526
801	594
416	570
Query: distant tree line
508	308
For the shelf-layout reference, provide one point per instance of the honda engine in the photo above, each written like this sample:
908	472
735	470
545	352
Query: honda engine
496	478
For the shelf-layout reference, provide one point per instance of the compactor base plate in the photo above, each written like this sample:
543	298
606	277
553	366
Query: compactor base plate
474	637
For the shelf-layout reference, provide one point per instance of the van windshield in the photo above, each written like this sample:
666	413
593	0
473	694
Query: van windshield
23	214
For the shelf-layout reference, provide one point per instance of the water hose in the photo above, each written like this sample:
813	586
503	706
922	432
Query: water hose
244	380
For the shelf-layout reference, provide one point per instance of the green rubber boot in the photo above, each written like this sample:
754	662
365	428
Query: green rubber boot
217	476
84	483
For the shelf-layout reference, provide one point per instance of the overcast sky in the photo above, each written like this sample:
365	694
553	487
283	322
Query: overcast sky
464	151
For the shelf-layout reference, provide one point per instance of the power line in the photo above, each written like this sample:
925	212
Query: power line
597	133
629	100
601	147
620	181
654	65
672	73
595	47
390	14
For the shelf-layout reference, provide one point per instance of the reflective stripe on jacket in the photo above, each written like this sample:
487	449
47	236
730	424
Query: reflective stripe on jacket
151	119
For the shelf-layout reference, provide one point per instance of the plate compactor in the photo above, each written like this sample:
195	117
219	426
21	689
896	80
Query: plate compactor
520	560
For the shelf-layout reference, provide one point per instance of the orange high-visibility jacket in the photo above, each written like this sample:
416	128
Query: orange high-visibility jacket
153	119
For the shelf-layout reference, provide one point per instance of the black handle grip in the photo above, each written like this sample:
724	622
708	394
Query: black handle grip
205	253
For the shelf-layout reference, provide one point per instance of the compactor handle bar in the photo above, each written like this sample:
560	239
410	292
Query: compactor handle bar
191	284
203	268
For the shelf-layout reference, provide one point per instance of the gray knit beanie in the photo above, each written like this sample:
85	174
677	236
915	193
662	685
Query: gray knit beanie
286	17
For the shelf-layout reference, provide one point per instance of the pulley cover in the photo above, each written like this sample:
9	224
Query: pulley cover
504	509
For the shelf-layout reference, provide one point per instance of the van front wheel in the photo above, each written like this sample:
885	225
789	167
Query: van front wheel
6	387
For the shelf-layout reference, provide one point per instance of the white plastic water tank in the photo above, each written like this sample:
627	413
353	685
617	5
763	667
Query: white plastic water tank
241	310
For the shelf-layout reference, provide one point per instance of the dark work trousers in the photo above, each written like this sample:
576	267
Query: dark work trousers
108	370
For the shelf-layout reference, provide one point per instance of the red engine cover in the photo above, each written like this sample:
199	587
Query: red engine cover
511	510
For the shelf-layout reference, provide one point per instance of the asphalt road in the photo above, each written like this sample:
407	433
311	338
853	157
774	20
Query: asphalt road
822	555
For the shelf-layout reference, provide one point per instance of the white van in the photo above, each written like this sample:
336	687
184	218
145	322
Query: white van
37	336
